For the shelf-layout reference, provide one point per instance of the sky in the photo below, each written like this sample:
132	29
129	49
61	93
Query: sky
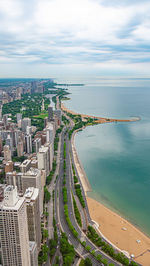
51	38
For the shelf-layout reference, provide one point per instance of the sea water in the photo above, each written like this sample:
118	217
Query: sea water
116	156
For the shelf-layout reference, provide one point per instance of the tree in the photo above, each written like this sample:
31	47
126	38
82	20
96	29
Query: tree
87	262
45	233
47	195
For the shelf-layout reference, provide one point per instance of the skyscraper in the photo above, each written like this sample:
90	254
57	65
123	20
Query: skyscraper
32	178
44	159
19	117
28	130
20	148
33	214
28	144
15	179
7	153
49	133
1	145
25	166
33	253
57	114
26	122
9	166
5	119
33	87
37	145
14	229
50	113
9	142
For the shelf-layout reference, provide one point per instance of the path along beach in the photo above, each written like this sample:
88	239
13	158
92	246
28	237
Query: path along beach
116	229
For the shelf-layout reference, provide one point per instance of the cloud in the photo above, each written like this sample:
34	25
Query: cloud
75	32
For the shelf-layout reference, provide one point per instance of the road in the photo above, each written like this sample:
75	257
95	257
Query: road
59	207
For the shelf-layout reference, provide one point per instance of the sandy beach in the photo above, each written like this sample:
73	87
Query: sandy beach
116	229
120	232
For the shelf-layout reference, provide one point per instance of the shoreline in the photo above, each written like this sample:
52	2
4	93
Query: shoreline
100	120
81	172
116	229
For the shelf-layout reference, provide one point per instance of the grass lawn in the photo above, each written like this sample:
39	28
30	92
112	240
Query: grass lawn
42	115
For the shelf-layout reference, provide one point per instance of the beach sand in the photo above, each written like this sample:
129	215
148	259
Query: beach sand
120	232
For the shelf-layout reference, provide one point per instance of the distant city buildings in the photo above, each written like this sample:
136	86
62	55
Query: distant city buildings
21	198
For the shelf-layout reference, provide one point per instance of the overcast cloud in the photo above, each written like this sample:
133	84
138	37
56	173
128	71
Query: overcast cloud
44	37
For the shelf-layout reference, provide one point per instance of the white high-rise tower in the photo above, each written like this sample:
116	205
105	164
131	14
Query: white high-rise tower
14	229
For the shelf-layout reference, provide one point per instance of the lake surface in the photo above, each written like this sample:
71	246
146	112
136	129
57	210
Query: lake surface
116	156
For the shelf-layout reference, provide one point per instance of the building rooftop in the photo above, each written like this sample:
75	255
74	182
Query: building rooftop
43	149
25	162
9	188
32	172
31	193
32	246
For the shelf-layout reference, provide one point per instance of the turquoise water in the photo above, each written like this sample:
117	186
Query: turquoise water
116	157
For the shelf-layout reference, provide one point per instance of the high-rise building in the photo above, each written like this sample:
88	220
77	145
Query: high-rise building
20	148
5	119
44	159
33	253
9	166
34	163
37	144
9	142
28	130
45	121
19	117
26	122
2	187
14	229
51	153
50	113
49	133
18	93
28	144
33	87
33	213
0	112
42	107
57	114
25	166
15	179
1	145
7	153
32	178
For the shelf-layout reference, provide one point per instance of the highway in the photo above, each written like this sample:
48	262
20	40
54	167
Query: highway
59	207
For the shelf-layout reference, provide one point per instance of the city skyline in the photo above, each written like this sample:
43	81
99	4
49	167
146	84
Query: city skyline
60	38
